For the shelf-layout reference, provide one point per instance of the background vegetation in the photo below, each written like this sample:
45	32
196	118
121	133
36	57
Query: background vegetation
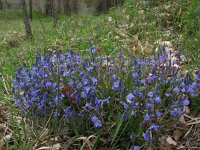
136	26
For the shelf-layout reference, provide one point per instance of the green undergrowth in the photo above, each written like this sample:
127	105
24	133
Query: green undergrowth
137	27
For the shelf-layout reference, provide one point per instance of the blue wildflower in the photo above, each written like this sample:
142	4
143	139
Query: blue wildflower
85	81
150	94
126	106
67	112
150	79
168	94
146	117
135	75
176	90
154	127
124	116
183	90
83	94
158	99
136	148
56	114
173	112
88	106
67	73
148	105
95	120
81	113
116	85
130	96
147	136
94	80
186	102
132	112
158	114
143	81
87	89
182	84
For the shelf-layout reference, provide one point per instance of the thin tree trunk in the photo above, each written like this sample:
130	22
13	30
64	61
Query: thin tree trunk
75	6
50	7
30	10
67	9
26	19
54	13
106	5
7	4
1	5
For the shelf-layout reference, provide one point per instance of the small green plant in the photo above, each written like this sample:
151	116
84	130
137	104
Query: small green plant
136	25
113	95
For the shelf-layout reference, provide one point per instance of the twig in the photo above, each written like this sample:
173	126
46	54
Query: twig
87	141
5	86
195	122
191	117
188	132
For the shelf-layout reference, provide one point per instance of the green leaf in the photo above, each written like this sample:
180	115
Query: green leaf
77	76
116	131
94	145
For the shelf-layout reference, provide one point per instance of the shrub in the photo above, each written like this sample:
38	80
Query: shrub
118	96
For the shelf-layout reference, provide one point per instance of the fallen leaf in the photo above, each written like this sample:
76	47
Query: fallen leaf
134	51
180	147
8	137
171	141
2	146
1	117
181	120
2	131
164	144
99	48
44	134
177	134
66	89
186	109
57	146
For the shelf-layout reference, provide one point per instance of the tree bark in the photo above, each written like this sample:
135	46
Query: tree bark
75	6
30	10
106	5
9	7
67	9
26	19
55	12
48	7
1	5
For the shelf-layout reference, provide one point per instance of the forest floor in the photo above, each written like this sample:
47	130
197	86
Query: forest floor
139	27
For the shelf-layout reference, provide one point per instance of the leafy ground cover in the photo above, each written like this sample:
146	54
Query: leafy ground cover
138	27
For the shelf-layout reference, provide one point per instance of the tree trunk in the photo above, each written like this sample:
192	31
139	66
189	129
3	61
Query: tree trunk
7	4
118	2
55	12
30	10
75	6
26	19
67	9
106	5
48	7
58	6
1	5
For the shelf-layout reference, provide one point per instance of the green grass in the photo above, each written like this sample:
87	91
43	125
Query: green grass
135	25
71	33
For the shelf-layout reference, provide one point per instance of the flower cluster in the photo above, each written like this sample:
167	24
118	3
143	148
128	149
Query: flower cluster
91	87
